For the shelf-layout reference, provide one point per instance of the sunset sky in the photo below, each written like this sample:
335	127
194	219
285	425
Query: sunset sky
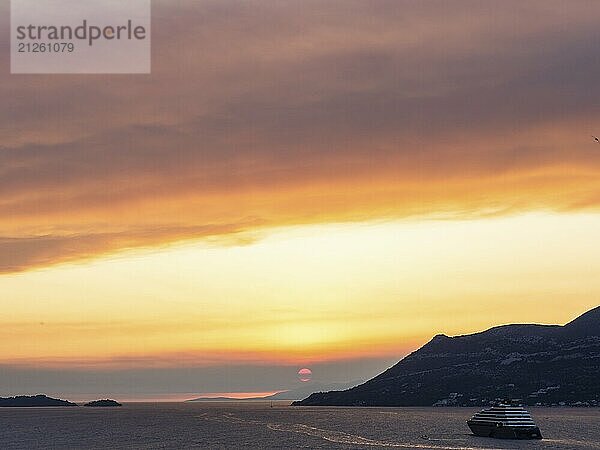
311	183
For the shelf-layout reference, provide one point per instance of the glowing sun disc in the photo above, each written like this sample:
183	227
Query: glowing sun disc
305	375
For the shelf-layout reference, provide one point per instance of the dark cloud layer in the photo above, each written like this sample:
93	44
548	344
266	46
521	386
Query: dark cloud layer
19	254
292	112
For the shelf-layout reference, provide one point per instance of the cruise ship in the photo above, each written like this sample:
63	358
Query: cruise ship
507	420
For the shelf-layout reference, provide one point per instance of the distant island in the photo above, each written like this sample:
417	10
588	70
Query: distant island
543	365
297	393
39	400
103	404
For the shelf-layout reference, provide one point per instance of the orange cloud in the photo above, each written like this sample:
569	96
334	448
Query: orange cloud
303	113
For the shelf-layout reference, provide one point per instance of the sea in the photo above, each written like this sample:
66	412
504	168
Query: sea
258	425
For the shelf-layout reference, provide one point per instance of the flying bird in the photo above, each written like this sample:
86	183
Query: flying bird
596	139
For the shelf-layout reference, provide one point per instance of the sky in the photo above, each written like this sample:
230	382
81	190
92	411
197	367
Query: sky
321	184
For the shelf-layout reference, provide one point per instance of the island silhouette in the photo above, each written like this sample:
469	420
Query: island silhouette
39	400
42	400
107	403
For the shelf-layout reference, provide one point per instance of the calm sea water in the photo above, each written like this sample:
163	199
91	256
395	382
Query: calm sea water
252	425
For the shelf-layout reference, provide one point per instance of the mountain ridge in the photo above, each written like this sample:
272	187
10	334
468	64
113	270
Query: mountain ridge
541	364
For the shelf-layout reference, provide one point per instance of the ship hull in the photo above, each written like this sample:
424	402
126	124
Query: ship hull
504	432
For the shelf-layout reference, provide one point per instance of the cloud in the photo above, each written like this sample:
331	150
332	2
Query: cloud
23	253
270	113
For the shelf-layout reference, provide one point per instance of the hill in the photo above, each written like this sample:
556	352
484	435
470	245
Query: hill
541	364
304	391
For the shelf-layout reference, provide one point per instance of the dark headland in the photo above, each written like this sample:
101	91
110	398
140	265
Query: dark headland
107	403
33	401
544	365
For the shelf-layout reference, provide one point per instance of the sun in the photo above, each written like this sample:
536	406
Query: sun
305	375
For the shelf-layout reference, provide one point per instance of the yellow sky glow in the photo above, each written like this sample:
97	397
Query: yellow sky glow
303	294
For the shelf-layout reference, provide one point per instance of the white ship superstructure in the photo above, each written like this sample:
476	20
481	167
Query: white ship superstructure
505	420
